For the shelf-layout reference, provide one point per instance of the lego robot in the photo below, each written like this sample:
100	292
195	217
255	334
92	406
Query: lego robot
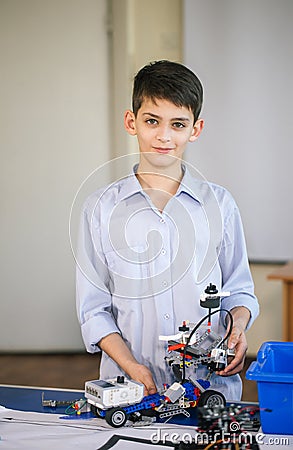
118	400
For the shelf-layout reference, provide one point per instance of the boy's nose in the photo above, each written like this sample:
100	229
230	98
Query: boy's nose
163	135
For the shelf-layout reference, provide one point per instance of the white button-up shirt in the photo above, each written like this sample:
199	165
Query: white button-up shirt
140	272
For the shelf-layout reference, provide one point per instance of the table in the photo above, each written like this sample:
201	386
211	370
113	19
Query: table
27	425
285	274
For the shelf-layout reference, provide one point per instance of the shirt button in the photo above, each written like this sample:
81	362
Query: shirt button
166	316
162	220
165	283
163	252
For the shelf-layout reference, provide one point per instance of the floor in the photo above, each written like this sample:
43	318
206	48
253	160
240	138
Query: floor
70	371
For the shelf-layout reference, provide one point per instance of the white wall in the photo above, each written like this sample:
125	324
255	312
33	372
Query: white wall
242	51
54	132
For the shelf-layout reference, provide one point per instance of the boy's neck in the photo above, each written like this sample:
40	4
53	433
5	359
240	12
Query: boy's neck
160	184
165	179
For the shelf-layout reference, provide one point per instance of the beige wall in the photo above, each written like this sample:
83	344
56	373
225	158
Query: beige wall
142	32
157	30
268	326
54	132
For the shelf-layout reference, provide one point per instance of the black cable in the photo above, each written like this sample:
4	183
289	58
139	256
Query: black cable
196	328
116	438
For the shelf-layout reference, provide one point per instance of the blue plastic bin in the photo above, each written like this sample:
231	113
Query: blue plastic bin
273	372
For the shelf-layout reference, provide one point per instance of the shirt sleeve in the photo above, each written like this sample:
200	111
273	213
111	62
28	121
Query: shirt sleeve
236	276
93	296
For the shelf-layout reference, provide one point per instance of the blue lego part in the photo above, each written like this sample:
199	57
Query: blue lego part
147	402
189	391
204	383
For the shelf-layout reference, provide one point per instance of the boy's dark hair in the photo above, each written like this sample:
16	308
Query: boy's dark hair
169	81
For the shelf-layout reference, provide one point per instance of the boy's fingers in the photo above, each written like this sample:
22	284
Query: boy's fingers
238	342
150	385
143	375
234	338
235	365
151	390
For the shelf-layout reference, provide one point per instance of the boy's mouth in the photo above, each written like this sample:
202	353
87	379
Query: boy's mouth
163	150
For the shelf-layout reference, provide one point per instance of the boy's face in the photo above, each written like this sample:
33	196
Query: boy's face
162	129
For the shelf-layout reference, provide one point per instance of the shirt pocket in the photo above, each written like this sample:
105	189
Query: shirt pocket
129	271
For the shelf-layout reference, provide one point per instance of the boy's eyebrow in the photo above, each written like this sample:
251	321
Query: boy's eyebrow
155	116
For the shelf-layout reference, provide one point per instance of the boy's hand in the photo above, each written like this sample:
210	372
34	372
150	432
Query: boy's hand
115	347
139	372
238	342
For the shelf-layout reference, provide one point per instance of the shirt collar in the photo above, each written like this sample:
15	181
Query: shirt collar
190	185
129	185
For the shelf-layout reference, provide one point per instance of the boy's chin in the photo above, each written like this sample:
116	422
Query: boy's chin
158	158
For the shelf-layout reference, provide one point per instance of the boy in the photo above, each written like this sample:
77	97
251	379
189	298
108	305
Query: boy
151	242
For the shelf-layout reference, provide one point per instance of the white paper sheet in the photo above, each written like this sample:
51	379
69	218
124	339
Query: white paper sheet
41	431
29	431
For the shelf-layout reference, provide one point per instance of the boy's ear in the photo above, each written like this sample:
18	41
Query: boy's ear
129	122
197	129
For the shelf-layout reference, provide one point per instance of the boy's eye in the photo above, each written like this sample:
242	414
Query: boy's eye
152	121
178	125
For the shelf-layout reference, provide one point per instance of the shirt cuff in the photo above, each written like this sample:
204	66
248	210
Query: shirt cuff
246	300
96	328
